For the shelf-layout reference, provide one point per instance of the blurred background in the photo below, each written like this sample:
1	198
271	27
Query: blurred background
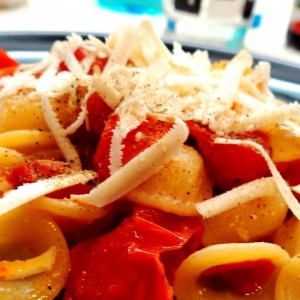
264	27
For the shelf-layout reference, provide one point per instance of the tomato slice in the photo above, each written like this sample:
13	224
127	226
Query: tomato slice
243	278
127	263
229	165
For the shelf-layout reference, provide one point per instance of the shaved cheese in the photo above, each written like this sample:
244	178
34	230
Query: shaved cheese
120	55
110	95
64	144
223	96
281	184
20	269
30	191
240	195
138	169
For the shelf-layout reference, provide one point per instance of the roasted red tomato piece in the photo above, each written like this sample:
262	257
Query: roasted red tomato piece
98	113
229	165
7	64
127	263
101	158
144	136
136	141
290	171
243	278
6	61
43	169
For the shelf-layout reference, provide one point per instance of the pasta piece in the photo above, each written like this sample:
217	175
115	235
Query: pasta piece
288	236
249	222
32	234
189	286
287	284
26	108
177	186
27	141
10	158
70	209
18	269
285	147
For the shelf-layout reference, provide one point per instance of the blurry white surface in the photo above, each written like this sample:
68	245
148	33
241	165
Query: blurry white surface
85	16
67	15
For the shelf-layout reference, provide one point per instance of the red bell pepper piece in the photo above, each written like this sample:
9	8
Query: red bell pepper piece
243	278
127	263
229	165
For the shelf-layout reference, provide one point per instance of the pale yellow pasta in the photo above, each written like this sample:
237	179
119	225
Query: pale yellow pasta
246	223
177	186
26	233
288	236
188	284
70	208
23	111
10	158
288	281
285	147
27	141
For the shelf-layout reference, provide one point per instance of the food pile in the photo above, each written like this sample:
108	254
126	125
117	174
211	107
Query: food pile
131	171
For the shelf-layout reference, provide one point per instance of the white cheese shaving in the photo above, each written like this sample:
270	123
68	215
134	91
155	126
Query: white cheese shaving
109	94
64	144
30	191
240	195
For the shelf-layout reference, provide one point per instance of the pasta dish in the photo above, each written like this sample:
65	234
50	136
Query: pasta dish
131	171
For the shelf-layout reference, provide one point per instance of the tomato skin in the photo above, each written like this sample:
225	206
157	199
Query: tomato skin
229	165
126	262
243	278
